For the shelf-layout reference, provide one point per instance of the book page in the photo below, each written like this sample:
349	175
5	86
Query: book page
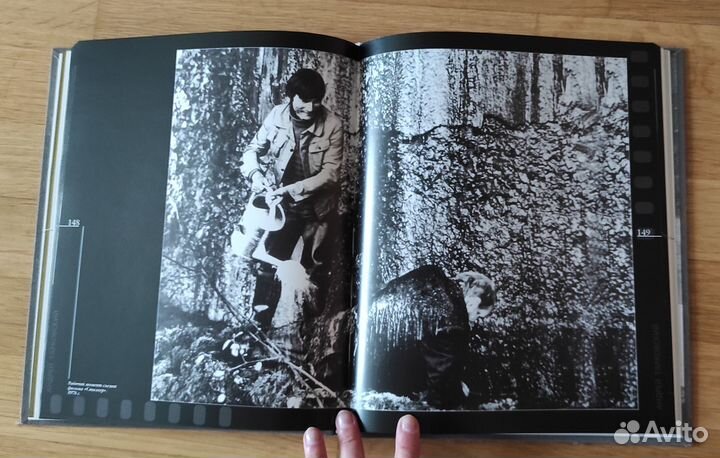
261	197
497	249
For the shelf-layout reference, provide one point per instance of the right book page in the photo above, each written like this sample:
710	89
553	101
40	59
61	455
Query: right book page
498	268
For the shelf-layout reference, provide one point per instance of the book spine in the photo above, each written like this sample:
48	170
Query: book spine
677	88
675	176
47	211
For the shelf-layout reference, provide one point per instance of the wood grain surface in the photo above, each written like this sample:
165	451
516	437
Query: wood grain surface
29	29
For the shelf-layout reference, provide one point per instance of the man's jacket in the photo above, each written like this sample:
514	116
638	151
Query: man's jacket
322	142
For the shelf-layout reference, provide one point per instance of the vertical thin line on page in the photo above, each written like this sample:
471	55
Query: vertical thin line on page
77	290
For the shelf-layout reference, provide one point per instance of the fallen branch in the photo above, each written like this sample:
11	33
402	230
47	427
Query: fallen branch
248	363
284	358
259	336
298	375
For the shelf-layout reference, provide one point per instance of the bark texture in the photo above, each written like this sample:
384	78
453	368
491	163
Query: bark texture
515	165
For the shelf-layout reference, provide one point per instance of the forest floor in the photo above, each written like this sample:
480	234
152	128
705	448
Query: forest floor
204	361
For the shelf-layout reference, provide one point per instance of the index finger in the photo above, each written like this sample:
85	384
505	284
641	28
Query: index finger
407	438
349	437
314	444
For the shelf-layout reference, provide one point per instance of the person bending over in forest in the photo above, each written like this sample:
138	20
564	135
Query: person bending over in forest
295	157
419	334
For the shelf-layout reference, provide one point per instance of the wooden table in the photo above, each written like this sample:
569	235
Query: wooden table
29	29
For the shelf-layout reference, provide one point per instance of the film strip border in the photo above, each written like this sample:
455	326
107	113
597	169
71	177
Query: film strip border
113	410
106	410
650	234
647	154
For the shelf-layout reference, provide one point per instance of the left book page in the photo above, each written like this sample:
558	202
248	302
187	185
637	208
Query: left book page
254	276
208	186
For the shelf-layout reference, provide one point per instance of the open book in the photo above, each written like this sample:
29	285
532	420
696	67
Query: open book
253	230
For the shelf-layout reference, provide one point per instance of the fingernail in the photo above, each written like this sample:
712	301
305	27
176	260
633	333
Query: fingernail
409	424
344	419
312	436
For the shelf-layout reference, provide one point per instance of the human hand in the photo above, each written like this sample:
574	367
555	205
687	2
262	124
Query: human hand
407	438
259	183
292	190
273	198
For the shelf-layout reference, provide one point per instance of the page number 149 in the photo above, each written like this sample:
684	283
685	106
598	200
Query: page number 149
647	233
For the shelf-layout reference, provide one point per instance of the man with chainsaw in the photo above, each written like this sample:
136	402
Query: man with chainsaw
295	159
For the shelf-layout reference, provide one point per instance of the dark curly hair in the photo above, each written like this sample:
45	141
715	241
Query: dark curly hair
307	84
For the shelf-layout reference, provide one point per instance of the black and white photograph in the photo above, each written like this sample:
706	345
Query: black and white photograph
261	195
497	261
